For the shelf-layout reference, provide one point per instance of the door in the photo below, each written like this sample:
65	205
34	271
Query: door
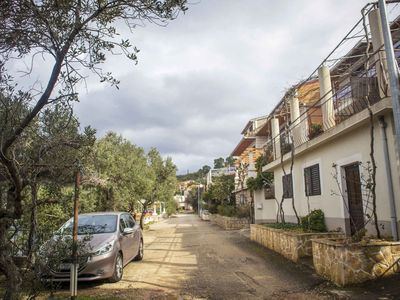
354	197
135	235
125	240
129	237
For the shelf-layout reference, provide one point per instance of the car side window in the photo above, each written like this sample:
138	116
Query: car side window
129	221
122	224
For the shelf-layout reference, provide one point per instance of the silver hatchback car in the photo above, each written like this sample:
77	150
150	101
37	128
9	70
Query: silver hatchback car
114	239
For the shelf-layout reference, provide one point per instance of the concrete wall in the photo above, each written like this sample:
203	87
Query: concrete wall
264	209
348	147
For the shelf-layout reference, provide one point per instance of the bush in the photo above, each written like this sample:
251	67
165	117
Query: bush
242	211
226	210
284	226
315	130
314	221
232	211
172	207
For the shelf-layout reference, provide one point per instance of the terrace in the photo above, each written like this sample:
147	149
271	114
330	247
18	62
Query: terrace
341	87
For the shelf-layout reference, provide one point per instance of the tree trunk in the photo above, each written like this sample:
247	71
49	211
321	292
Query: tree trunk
252	211
373	175
33	223
7	265
142	215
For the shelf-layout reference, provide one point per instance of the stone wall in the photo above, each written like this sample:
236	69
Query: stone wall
229	223
346	264
291	245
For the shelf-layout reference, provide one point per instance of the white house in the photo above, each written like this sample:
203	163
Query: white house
331	139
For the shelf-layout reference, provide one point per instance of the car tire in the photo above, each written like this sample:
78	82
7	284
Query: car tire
118	269
139	255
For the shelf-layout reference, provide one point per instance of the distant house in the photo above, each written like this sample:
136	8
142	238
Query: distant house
326	122
228	171
245	154
181	201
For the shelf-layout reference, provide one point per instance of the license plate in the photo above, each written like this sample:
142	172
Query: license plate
65	266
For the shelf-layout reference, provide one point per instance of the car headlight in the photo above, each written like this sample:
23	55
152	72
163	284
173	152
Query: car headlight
104	249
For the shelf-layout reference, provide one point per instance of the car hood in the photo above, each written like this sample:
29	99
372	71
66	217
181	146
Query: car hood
98	240
87	243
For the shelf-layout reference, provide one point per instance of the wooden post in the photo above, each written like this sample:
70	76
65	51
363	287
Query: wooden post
74	266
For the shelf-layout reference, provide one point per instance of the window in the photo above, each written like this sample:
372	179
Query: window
241	199
287	183
269	192
129	221
122	223
92	224
312	180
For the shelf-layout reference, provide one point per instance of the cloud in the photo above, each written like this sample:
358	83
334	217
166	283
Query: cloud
203	76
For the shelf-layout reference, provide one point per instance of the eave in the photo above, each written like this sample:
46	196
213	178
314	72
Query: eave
242	145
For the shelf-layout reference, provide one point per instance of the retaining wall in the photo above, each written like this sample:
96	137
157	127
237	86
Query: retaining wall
346	264
291	245
229	223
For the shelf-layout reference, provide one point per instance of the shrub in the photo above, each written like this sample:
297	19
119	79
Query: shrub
314	221
172	207
284	226
315	130
226	210
242	211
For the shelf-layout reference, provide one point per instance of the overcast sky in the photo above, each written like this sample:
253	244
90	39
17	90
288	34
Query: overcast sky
201	78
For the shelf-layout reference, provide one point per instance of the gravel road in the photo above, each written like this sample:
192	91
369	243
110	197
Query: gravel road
186	258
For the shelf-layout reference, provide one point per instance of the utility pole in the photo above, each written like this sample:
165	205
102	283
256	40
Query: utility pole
198	199
394	82
74	265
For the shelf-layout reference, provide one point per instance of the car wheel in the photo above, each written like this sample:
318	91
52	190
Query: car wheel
139	255
118	269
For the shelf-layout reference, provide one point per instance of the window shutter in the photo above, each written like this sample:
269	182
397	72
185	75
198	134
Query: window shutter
315	180
312	180
287	183
307	181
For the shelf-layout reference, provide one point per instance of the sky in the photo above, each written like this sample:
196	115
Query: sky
201	78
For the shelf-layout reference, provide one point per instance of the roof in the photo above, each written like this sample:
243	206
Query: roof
250	122
113	213
244	143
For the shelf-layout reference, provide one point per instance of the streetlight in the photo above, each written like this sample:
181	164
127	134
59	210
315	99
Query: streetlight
198	197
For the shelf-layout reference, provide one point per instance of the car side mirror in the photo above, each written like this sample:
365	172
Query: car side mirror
128	230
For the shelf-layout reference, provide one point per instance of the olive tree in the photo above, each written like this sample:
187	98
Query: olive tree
75	35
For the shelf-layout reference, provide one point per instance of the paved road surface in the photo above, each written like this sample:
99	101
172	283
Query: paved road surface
186	258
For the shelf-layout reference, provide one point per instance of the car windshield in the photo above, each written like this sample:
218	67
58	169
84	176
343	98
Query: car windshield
91	224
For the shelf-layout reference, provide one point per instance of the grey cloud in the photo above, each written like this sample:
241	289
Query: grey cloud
201	78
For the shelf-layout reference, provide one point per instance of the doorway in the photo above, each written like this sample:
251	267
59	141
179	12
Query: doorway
354	197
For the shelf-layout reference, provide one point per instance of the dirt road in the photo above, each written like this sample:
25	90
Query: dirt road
186	258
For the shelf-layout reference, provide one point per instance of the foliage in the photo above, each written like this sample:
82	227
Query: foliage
121	173
172	207
73	36
243	211
263	178
198	176
192	197
233	211
219	163
314	221
220	192
226	210
285	226
315	130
